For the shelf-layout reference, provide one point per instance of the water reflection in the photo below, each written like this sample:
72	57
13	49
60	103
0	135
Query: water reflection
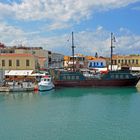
77	92
70	92
42	93
24	95
20	95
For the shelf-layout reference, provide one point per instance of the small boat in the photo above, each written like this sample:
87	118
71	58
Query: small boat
21	86
17	86
45	84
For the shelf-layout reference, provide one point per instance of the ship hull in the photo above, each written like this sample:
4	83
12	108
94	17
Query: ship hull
96	83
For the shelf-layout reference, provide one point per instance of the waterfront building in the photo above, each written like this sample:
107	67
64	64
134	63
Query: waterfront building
133	61
66	61
12	61
45	59
97	63
38	52
79	61
44	56
57	60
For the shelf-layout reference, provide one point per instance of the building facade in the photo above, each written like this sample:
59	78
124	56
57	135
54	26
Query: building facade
57	60
79	60
11	61
97	63
38	52
130	60
44	57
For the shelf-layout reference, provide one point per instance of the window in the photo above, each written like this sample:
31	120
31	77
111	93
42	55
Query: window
125	61
73	77
27	63
68	77
114	62
17	63
90	64
118	61
117	76
10	63
127	76
112	76
129	61
64	77
136	61
133	61
77	77
3	63
101	63
121	76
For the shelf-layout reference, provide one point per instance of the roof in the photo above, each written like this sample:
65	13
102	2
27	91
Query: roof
66	58
16	54
98	59
42	59
18	72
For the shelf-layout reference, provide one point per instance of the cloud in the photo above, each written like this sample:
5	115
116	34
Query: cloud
87	42
57	25
128	44
125	31
12	35
59	10
8	32
5	11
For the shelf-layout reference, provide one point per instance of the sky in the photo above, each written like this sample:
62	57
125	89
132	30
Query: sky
49	24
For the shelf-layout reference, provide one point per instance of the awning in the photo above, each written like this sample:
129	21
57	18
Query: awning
135	68
18	72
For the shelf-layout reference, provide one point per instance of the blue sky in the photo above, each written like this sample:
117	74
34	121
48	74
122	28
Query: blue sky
49	23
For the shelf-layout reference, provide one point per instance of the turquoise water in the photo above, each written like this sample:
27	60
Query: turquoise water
71	114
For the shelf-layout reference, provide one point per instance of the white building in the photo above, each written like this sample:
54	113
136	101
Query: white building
97	63
57	60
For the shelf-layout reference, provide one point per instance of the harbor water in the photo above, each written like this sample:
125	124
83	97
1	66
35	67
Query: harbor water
71	114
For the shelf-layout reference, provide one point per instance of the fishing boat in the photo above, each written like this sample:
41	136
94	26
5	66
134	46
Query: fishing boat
73	78
45	84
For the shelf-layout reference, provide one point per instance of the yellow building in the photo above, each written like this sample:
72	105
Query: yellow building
129	60
79	61
11	61
38	52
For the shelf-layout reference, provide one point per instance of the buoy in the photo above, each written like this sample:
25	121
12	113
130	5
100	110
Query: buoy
36	88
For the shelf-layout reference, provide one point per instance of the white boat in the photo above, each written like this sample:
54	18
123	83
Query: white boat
21	86
17	86
45	84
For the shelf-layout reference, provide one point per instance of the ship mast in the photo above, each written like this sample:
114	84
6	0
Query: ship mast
73	51
112	40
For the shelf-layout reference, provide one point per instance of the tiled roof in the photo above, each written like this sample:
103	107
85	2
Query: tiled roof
15	55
